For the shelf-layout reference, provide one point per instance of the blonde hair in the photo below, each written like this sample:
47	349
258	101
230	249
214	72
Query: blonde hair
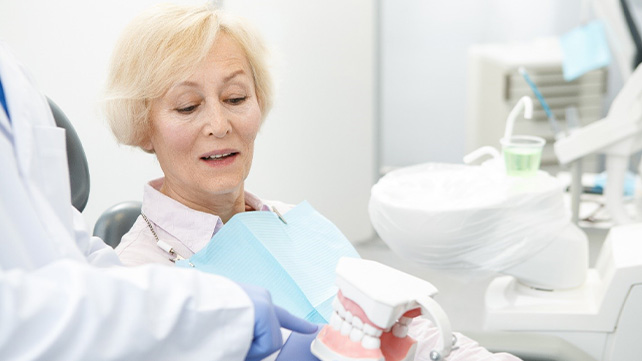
161	47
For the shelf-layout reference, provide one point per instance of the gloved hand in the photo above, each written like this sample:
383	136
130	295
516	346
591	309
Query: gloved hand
297	347
268	320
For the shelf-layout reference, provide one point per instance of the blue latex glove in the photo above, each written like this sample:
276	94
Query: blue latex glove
268	320
297	347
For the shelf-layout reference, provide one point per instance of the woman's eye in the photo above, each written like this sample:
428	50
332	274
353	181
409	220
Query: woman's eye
187	110
234	101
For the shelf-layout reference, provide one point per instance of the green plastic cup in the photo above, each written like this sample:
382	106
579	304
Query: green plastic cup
522	154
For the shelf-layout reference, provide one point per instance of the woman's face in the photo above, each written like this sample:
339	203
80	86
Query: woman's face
203	128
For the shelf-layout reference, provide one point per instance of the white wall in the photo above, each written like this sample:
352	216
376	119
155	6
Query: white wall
319	141
318	144
66	44
424	45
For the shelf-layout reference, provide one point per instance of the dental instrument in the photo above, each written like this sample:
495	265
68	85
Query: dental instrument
522	153
524	103
549	114
373	308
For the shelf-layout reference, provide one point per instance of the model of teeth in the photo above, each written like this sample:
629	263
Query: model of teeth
372	312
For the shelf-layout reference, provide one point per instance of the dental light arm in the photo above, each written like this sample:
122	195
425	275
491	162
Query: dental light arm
617	136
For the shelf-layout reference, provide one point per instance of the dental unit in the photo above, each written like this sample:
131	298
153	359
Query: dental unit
476	218
372	311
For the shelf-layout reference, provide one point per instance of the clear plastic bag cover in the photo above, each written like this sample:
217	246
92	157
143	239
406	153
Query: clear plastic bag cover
450	216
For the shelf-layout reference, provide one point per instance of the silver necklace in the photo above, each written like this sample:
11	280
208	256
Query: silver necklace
163	245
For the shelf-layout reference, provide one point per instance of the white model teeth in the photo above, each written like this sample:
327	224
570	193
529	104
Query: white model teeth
356	322
369	342
355	328
399	330
348	316
346	328
356	335
336	321
338	306
369	329
405	321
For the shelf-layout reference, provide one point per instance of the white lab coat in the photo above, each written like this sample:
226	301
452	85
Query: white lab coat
55	302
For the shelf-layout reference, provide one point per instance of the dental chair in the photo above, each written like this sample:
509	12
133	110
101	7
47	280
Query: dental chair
76	159
116	220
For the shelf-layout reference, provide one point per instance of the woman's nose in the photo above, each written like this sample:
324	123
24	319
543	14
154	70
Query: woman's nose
217	122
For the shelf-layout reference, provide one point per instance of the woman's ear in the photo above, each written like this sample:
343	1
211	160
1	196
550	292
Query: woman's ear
147	145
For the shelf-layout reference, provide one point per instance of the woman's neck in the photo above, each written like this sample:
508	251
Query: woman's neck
224	205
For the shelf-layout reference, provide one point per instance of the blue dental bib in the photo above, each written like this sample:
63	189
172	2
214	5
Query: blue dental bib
294	261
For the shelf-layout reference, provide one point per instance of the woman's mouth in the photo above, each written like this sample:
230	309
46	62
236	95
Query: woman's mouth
220	159
219	156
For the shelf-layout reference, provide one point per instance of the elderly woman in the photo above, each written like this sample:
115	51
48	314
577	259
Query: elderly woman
190	84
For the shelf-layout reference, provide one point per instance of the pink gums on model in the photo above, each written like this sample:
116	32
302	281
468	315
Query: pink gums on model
392	348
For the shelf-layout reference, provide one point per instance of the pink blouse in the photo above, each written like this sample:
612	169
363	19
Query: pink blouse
186	230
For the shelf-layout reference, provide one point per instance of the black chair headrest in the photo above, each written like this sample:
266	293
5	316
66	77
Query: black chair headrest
78	168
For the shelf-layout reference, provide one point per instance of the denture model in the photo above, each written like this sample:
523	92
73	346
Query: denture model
372	311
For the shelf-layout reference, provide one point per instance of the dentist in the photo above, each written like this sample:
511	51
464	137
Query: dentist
64	295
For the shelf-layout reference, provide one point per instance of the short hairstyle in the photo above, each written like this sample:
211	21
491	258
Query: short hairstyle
161	47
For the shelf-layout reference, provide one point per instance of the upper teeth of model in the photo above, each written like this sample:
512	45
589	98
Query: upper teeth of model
218	156
359	331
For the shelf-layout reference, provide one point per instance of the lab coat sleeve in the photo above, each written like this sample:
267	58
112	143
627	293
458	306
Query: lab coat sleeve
466	349
97	252
69	310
